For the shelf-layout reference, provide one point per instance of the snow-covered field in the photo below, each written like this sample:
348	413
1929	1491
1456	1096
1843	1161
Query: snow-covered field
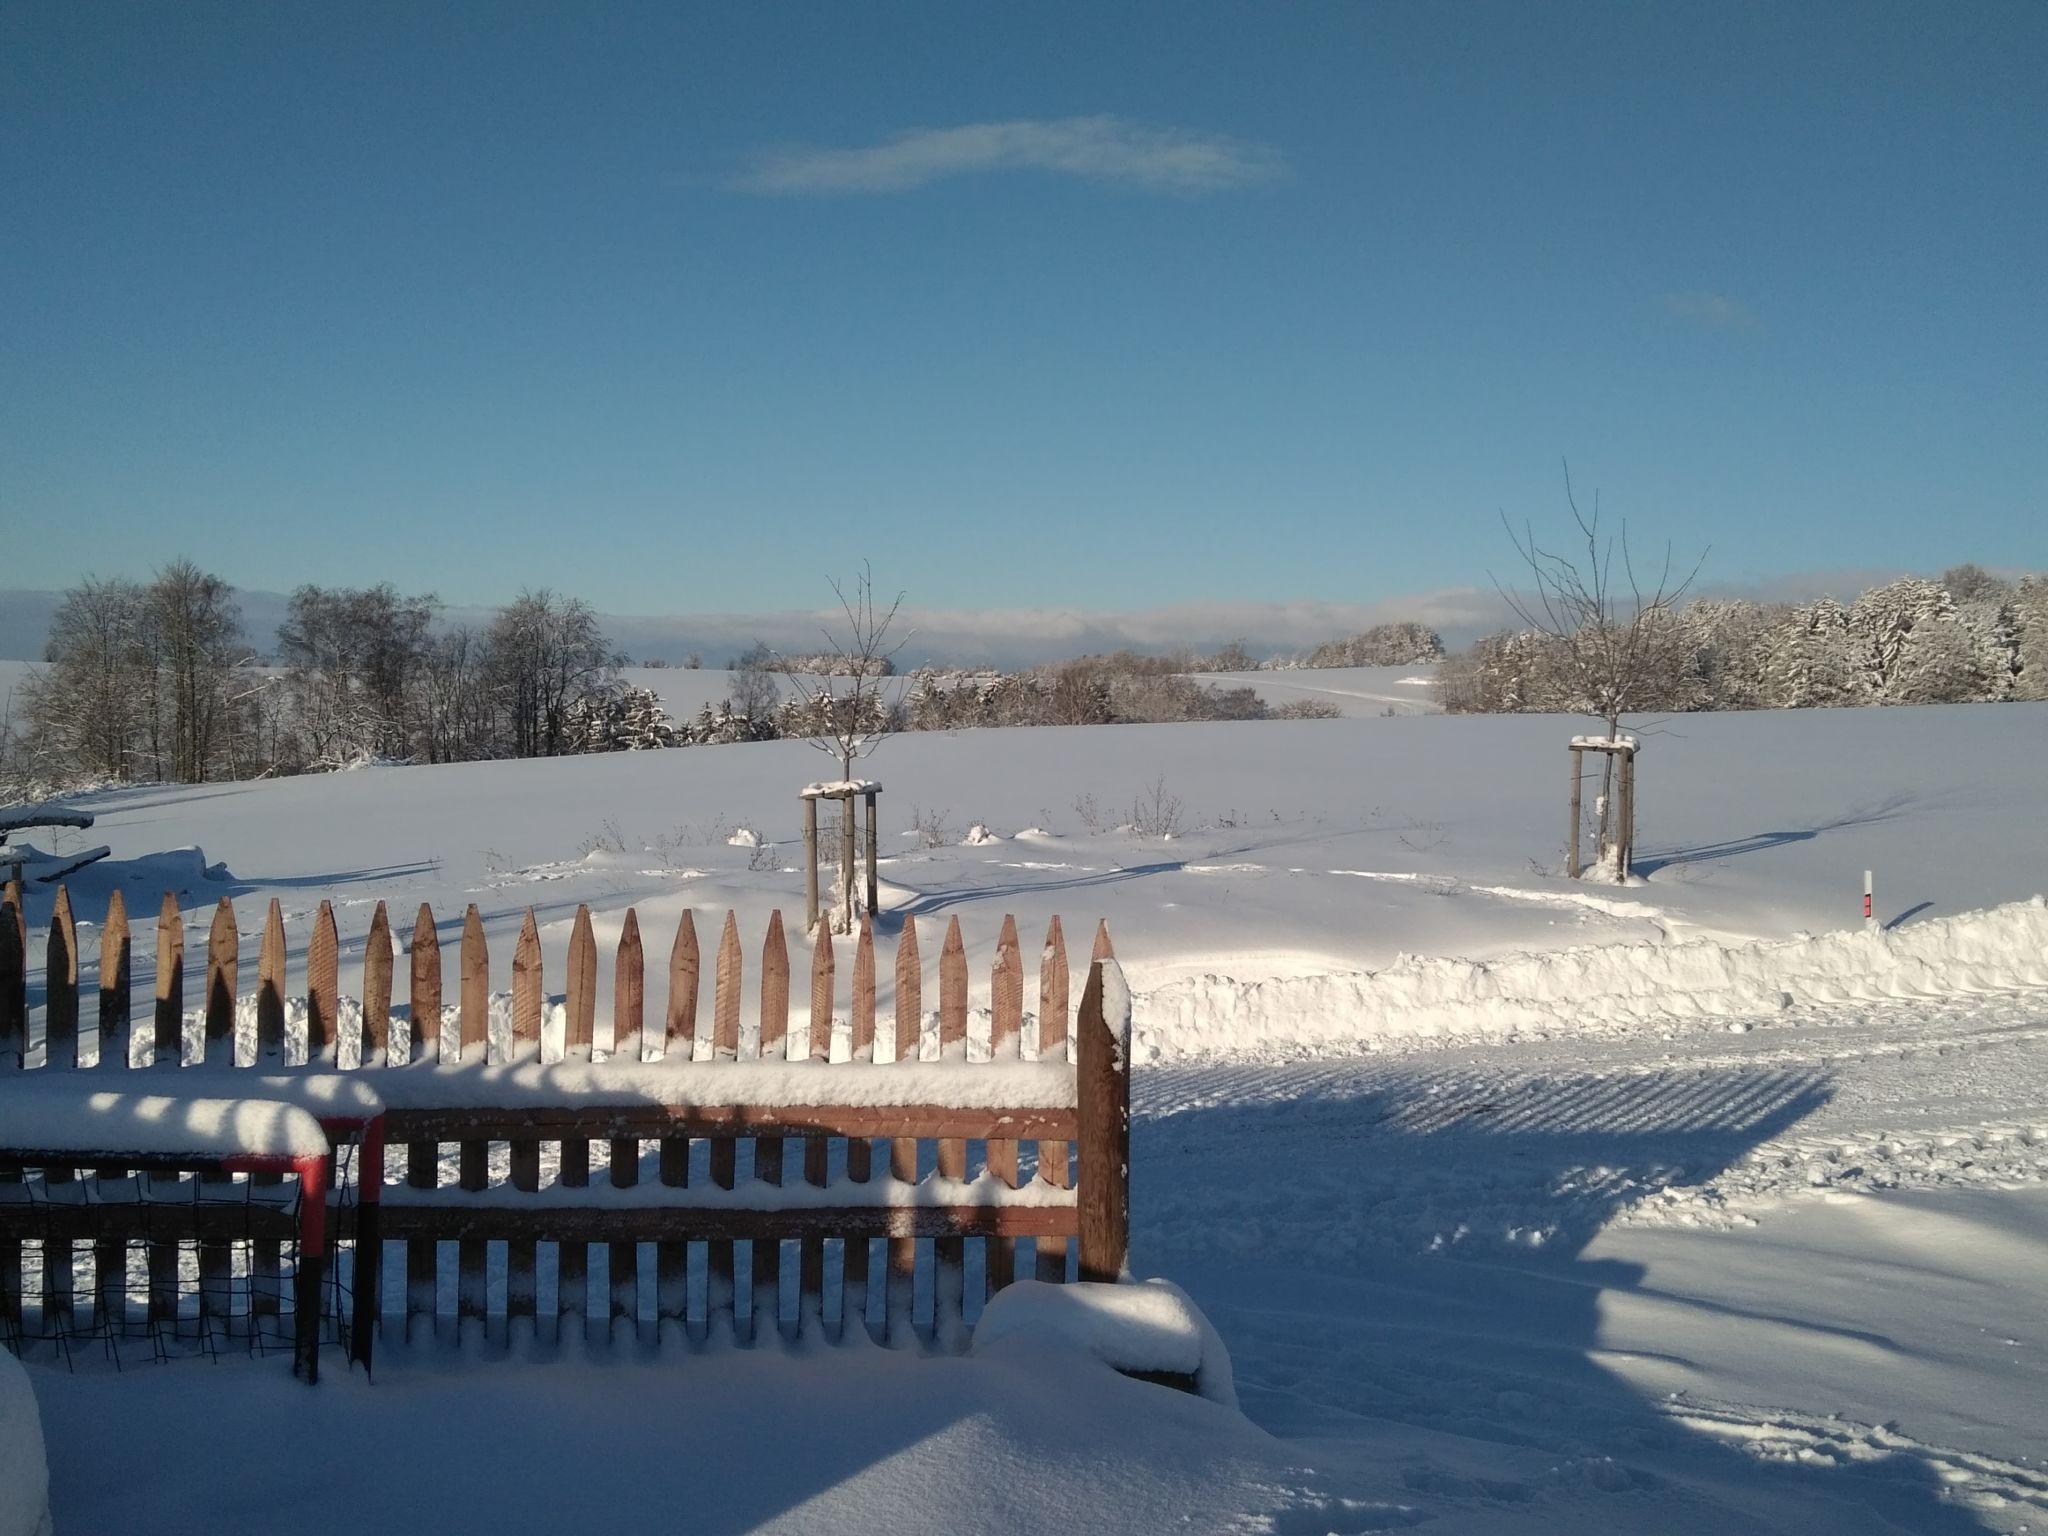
1521	1205
1351	691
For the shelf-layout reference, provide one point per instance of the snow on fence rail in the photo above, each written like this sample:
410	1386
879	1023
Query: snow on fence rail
881	1140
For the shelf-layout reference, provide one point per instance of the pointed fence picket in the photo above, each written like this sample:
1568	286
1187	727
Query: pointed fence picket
932	1232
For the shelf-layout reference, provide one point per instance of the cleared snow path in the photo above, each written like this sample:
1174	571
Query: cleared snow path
1784	1279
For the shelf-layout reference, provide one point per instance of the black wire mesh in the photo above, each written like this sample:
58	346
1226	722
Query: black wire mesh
110	1271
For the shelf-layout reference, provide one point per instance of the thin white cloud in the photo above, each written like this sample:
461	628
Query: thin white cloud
1711	311
1100	149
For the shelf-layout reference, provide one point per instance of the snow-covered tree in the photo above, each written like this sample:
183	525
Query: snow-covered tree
644	724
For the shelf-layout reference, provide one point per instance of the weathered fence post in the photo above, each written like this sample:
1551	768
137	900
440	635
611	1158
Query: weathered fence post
810	863
113	1038
874	879
1571	844
13	975
1103	1090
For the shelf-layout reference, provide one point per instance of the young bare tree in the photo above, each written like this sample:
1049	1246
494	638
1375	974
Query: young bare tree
844	710
1611	637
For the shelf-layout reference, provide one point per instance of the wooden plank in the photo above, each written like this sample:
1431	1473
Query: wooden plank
629	987
810	862
270	986
1104	1087
60	987
629	992
323	986
612	1223
422	1156
110	1253
216	1255
1052	1042
725	1002
374	1046
853	1282
60	1050
722	1308
473	1169
423	991
899	1294
167	1048
768	1149
114	984
522	1283
223	959
1006	1033
949	1272
579	1030
679	1029
1103	949
170	984
600	1121
527	989
13	977
473	1025
816	1046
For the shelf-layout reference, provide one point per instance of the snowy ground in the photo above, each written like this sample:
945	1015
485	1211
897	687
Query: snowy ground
1763	1255
1352	691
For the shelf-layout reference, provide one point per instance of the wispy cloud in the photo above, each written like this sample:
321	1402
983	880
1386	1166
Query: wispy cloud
1711	311
1100	149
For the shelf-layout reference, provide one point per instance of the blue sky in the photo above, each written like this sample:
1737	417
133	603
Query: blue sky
682	307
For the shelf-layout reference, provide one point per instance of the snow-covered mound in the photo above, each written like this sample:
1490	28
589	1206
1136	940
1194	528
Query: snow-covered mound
24	1473
1591	987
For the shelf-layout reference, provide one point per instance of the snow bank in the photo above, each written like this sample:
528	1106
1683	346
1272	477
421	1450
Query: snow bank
1149	1326
1586	989
24	1472
46	1112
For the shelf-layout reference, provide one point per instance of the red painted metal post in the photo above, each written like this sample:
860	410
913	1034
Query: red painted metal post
312	1172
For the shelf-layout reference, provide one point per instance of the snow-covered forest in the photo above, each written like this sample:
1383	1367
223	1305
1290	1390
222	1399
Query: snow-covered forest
1966	638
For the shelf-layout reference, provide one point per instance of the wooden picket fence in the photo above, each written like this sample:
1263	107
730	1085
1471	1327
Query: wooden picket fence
1052	1171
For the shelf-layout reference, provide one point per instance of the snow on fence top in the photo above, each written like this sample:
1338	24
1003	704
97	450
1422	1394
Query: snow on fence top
70	1115
1607	743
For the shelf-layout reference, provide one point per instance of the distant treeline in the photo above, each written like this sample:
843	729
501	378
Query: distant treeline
157	682
1968	637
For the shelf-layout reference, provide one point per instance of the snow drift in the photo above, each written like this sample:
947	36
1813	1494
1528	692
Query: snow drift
1568	991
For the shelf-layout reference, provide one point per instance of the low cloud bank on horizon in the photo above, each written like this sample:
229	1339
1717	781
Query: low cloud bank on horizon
1005	637
1105	149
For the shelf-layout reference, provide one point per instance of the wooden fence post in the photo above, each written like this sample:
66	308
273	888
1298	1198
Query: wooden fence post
113	1041
170	988
1571	842
60	986
767	1251
270	984
1006	1029
13	976
679	1033
423	1158
1103	1085
874	878
810	862
323	985
816	1046
629	982
1054	1157
721	1306
900	1296
223	962
860	1151
473	1167
373	1044
522	1287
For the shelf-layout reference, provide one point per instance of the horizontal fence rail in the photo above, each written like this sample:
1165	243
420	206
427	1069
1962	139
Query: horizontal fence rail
657	1183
